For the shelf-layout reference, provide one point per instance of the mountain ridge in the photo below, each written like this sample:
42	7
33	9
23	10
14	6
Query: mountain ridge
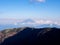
32	36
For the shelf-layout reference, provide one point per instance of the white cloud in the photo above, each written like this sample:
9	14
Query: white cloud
41	0
44	22
37	0
58	23
15	24
48	22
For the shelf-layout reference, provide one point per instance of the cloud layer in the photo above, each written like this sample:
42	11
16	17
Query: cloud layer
30	22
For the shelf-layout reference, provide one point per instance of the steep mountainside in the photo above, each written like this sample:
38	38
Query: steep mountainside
33	36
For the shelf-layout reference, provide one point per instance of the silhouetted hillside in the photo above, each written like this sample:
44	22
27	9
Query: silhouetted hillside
32	36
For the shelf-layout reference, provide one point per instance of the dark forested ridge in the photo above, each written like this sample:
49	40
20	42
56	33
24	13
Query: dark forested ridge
33	36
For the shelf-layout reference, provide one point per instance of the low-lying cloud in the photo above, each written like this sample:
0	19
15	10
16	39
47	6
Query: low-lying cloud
32	21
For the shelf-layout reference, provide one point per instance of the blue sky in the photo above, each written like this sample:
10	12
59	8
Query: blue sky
19	9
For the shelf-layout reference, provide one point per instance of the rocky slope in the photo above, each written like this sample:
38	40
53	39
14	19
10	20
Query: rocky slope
8	32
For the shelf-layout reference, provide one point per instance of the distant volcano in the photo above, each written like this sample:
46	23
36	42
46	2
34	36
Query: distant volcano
29	20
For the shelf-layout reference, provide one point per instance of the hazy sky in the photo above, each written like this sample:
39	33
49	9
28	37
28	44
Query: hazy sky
19	9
